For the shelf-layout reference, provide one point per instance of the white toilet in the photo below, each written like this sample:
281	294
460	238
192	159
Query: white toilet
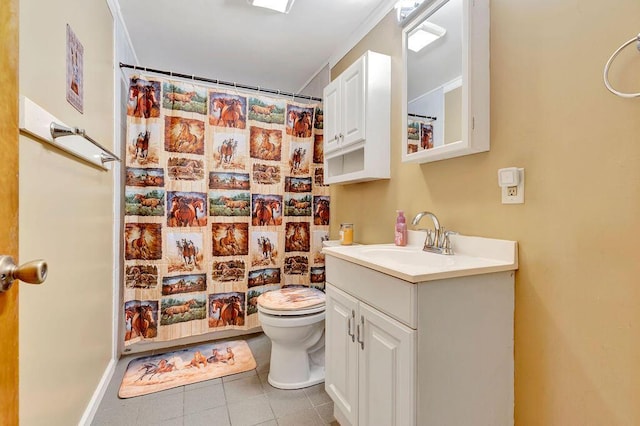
293	318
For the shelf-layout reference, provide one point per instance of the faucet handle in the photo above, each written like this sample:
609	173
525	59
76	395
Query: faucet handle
429	242
446	245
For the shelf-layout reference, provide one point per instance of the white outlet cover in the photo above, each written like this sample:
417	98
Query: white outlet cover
519	197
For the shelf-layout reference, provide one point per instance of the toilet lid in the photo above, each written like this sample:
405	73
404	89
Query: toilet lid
292	301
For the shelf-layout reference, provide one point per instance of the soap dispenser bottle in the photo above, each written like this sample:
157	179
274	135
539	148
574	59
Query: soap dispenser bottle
401	229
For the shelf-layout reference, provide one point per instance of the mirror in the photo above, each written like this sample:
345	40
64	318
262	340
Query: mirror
446	84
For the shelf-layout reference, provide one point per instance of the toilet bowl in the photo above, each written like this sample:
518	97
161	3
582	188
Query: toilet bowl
293	319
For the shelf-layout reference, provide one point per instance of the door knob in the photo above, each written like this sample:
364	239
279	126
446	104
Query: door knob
34	272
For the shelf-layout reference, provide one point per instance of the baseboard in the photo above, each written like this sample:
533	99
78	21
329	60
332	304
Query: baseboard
94	403
339	416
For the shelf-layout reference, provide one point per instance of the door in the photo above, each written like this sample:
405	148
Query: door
9	207
386	370
341	352
331	111
353	103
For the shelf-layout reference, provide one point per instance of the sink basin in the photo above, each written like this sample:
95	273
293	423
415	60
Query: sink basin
473	256
407	256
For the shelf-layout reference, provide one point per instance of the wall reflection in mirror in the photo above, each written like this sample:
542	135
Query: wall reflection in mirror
434	78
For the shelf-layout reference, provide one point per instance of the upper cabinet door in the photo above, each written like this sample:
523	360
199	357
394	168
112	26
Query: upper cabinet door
332	118
353	103
357	108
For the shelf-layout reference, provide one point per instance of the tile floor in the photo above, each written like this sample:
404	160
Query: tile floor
243	399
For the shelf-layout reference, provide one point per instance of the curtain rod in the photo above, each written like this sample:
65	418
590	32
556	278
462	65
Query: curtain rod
422	116
220	82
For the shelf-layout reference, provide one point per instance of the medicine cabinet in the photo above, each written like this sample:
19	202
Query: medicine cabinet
446	80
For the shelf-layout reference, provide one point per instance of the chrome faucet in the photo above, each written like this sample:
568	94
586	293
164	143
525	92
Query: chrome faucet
437	240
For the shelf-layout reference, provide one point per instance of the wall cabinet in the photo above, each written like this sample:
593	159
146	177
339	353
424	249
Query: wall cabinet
372	358
438	352
357	107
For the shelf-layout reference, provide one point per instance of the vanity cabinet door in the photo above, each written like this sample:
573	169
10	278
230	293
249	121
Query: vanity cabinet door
386	370
341	352
370	363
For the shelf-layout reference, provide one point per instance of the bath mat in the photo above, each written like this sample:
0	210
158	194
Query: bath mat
156	373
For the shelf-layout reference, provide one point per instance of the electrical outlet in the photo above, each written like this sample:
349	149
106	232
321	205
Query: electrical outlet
514	194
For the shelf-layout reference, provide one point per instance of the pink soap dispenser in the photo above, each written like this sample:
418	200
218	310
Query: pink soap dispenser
401	229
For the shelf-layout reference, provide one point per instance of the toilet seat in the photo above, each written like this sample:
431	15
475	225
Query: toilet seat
291	313
292	301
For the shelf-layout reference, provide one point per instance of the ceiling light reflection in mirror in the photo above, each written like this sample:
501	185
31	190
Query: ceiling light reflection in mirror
282	6
424	35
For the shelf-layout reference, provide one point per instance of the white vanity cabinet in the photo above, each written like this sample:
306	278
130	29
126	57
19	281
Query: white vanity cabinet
356	132
436	351
371	357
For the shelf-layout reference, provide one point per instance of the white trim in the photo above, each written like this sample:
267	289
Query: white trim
115	289
123	50
114	6
374	18
117	223
96	398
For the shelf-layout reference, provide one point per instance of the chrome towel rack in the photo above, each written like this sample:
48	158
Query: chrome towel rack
58	130
37	122
636	39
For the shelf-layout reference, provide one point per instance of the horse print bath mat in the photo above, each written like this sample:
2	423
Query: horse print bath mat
156	373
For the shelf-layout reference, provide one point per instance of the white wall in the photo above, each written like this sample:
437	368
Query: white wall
316	85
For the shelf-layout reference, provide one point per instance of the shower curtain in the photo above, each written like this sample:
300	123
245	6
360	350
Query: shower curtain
224	199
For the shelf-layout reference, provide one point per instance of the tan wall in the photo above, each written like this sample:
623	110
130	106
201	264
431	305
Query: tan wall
66	217
577	350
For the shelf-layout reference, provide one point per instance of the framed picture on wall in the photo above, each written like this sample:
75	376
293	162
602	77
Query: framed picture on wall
75	83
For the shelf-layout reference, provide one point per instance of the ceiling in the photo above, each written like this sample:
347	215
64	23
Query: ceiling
233	41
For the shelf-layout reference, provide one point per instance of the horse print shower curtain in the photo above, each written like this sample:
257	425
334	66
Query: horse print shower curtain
224	200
